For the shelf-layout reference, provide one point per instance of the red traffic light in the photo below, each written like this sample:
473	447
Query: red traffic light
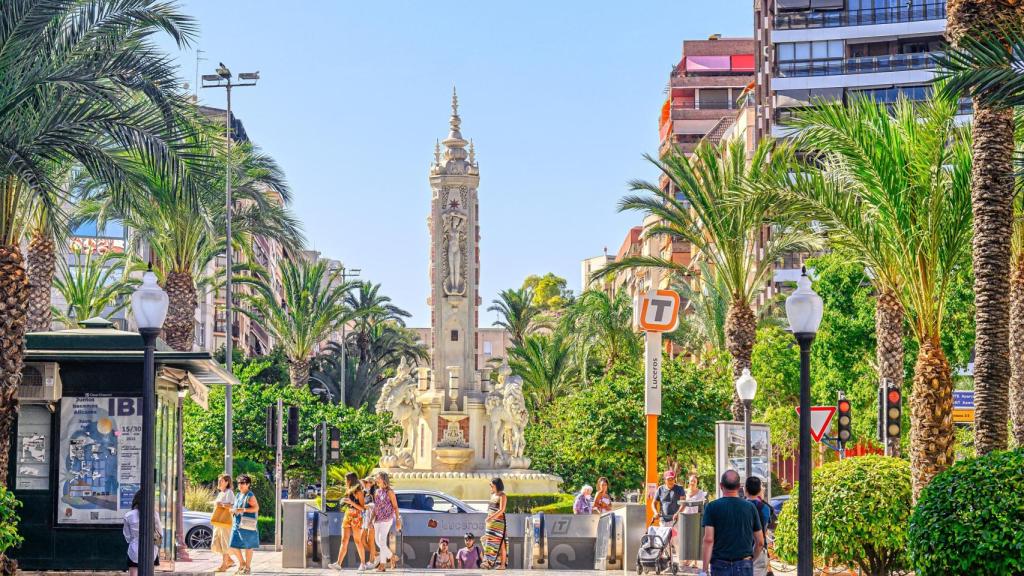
894	396
844	405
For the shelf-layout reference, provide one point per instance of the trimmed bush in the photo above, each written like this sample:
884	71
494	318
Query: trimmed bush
9	537
861	509
265	524
969	519
524	503
562	506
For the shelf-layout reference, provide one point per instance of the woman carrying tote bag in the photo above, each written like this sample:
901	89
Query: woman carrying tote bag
223	521
245	535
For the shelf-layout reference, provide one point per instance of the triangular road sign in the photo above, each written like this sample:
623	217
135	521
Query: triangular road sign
821	417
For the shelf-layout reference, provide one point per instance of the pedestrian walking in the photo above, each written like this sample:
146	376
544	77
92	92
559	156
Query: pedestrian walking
221	543
245	535
582	503
442	558
352	521
494	527
385	515
369	490
602	500
732	532
693	494
130	529
764	513
665	503
470	556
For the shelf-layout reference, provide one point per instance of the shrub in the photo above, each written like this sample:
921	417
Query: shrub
968	519
562	506
199	498
861	508
265	524
523	503
9	537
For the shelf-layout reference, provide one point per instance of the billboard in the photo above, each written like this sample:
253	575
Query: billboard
730	453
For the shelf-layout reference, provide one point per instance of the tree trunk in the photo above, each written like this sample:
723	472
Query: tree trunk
992	181
889	315
41	265
931	415
1017	349
298	372
740	332
180	325
13	321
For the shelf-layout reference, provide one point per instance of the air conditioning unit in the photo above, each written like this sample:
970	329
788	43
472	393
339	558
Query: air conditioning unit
40	382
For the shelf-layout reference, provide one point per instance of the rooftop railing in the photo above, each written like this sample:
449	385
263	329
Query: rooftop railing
862	17
868	65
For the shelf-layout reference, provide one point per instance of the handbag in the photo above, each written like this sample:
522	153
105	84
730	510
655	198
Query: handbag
248	523
221	517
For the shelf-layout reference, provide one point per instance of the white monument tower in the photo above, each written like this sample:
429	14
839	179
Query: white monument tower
458	428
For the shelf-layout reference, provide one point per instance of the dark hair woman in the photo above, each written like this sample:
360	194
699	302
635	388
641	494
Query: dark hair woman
221	543
245	535
352	523
131	535
385	514
602	500
494	527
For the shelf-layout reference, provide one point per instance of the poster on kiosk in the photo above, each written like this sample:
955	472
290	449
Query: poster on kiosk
730	453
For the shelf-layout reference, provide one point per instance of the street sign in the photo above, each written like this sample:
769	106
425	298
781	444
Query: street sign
652	373
963	406
821	417
658	311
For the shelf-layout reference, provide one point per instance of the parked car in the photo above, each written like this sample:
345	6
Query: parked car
198	529
778	502
420	501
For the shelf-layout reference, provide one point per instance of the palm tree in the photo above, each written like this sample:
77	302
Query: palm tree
517	313
601	323
97	284
184	237
992	193
80	79
724	203
545	363
1016	395
312	308
702	319
894	188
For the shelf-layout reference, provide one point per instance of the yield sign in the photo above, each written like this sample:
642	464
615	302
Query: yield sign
821	417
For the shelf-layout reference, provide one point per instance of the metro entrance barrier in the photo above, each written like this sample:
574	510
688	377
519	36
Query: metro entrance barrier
293	533
422	531
534	547
689	534
608	549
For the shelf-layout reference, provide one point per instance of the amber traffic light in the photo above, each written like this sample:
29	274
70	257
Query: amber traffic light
845	419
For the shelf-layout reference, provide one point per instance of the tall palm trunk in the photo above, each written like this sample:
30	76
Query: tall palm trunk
889	315
13	321
740	332
931	414
179	327
298	372
992	208
42	260
1017	348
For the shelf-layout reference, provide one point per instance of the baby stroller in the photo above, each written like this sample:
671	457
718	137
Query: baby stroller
656	551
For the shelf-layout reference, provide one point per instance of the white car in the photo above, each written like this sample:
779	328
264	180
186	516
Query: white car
422	501
198	530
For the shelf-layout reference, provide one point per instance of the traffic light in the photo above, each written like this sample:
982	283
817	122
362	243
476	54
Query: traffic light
893	412
271	426
845	419
293	425
334	448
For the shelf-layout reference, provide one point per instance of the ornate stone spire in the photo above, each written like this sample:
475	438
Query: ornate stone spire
455	146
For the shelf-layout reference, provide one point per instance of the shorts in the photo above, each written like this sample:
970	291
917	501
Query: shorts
353	519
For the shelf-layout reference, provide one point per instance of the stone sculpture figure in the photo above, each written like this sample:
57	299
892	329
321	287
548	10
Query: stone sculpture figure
506	409
454	284
398	396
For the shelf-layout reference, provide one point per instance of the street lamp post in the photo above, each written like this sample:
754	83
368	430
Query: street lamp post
222	79
804	309
345	275
746	388
149	307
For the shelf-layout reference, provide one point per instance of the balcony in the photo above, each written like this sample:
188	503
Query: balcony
869	65
865	17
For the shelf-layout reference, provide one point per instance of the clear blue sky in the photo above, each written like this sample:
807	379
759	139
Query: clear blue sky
561	99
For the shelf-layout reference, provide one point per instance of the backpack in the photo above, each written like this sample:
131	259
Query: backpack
773	516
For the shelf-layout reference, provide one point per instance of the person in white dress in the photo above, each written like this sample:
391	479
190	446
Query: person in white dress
131	535
221	543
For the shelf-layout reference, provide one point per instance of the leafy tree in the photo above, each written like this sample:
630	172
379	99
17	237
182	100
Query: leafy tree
550	292
602	324
517	313
598	430
702	321
545	363
9	537
775	364
968	520
97	284
861	509
720	203
895	189
311	309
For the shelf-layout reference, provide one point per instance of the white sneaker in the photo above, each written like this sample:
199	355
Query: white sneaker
334	566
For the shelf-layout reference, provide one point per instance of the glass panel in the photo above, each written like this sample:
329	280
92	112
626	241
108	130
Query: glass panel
802	50
819	50
786	52
33	458
835	49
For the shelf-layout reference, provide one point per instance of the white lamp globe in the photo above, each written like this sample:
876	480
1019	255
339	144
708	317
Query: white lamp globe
746	386
804	307
149	303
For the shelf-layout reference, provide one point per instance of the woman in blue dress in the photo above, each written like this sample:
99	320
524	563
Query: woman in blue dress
245	535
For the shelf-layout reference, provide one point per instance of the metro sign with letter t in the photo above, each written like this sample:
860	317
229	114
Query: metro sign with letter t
658	311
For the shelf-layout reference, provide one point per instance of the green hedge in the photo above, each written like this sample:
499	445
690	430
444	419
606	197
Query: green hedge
968	520
562	506
524	503
266	528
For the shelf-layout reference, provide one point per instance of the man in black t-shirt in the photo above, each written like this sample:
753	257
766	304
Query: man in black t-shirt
666	500
732	532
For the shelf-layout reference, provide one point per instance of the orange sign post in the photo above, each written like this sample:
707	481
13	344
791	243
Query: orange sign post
655	312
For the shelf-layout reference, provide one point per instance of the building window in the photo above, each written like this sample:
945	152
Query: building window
488	349
714	99
455	335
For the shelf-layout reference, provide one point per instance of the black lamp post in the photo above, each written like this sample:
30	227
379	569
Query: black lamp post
149	307
804	309
746	389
